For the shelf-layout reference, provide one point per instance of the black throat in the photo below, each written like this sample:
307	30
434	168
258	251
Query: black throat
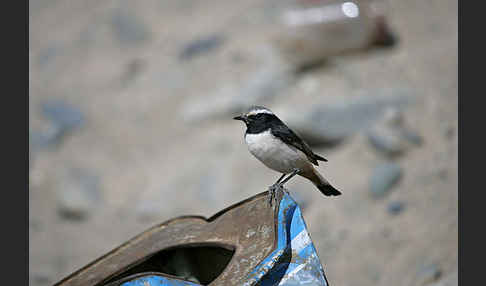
264	122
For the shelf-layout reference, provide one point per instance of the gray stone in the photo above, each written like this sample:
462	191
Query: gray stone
78	194
132	71
411	136
40	279
383	178
63	118
392	140
46	55
428	274
41	139
451	279
201	46
448	131
230	99
396	207
61	114
332	122
129	29
386	142
390	136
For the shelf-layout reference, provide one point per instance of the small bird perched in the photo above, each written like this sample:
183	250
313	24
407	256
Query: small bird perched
280	149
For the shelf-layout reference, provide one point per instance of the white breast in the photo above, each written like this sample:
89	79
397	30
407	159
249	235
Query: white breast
274	153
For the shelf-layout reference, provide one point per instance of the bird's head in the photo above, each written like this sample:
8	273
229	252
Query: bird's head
257	116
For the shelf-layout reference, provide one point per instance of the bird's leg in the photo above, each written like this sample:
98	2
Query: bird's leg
273	188
295	172
279	184
278	181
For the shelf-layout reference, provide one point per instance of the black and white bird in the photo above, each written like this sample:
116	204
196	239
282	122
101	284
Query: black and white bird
280	149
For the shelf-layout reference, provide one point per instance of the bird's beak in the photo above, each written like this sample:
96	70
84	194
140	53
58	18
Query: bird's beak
241	117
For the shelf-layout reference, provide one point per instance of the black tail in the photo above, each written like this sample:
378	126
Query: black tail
328	190
317	157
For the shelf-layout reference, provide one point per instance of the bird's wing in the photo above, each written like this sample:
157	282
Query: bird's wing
288	136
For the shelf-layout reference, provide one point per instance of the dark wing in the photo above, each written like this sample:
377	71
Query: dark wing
288	136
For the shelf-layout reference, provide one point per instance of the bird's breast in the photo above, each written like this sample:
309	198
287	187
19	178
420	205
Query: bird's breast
274	153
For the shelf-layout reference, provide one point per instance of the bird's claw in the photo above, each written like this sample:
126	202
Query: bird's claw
272	192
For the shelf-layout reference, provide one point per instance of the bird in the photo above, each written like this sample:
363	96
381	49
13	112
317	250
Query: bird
279	148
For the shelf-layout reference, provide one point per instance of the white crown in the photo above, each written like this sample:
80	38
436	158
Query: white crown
257	110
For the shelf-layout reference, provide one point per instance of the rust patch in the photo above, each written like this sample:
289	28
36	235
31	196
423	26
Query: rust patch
252	236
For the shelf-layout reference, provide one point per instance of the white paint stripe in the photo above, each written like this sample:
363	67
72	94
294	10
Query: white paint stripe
300	241
292	273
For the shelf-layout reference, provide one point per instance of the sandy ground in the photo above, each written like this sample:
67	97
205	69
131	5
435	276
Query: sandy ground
138	158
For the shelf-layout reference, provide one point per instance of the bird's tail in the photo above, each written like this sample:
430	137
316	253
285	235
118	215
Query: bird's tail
322	184
328	190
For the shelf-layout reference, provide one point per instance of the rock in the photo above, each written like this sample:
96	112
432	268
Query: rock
132	70
443	174
222	103
383	178
42	139
46	55
451	279
386	142
35	225
40	279
333	122
394	208
392	141
62	114
78	195
63	119
448	131
230	99
201	46
390	136
128	29
427	274
411	136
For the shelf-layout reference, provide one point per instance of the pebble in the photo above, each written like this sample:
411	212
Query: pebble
132	70
229	100
78	195
427	274
383	178
40	279
334	122
62	114
42	139
386	142
390	136
201	46
63	118
451	279
396	207
129	29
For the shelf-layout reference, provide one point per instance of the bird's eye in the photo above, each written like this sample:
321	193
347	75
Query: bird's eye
257	116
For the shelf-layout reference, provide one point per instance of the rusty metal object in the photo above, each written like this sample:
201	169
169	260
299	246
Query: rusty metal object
259	243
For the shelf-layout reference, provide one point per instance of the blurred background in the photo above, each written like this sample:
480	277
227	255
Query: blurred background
130	124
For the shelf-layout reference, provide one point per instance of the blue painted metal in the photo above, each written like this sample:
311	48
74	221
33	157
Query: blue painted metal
293	262
154	280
